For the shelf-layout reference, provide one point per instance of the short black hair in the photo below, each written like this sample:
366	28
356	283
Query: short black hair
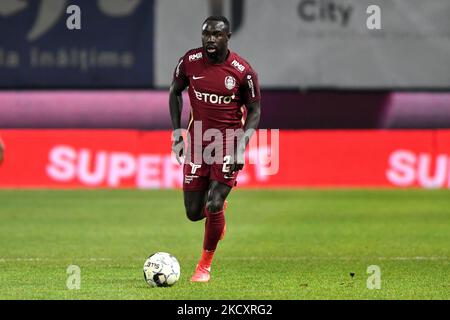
219	18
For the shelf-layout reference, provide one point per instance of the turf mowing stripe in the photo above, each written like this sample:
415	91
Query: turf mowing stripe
239	259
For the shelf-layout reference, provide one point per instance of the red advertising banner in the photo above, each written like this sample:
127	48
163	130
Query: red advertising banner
142	159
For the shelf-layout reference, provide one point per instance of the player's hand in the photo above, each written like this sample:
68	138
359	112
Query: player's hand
235	167
238	161
178	148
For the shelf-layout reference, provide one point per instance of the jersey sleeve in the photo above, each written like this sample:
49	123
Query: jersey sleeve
251	91
179	75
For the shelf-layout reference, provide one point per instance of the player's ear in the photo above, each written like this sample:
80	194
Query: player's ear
229	35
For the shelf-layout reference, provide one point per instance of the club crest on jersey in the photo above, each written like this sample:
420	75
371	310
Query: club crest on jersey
230	82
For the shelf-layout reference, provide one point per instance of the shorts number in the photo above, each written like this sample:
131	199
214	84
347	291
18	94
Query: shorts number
226	164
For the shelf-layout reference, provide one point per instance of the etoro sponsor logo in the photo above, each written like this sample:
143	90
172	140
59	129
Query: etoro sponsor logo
408	168
213	98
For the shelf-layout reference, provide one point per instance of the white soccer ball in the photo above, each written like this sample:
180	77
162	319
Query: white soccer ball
161	269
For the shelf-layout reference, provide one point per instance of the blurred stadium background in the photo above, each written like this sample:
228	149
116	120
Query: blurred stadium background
321	70
357	108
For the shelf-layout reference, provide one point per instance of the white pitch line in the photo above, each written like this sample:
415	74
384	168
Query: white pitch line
305	258
250	258
45	259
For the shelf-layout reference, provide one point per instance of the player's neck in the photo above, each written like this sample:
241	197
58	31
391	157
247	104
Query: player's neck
219	58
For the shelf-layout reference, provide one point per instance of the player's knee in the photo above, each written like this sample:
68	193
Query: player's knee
194	217
214	205
194	214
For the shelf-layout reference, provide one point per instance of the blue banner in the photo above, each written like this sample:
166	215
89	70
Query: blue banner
94	44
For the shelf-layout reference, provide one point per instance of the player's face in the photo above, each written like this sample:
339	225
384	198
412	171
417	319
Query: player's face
215	38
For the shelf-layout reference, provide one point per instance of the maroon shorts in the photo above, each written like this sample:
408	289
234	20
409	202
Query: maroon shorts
198	177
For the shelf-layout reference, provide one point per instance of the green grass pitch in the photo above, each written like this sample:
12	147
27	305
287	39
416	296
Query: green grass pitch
283	244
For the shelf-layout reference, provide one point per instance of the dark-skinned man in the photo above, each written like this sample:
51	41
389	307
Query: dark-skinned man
225	97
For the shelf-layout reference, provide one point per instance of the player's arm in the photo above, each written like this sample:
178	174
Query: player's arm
253	104
177	87
176	103
253	118
250	127
176	107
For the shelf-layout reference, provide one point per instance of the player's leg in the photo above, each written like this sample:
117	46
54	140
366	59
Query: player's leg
222	181
194	203
195	190
214	227
214	210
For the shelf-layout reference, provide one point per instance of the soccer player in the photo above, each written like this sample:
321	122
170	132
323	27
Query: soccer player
220	84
